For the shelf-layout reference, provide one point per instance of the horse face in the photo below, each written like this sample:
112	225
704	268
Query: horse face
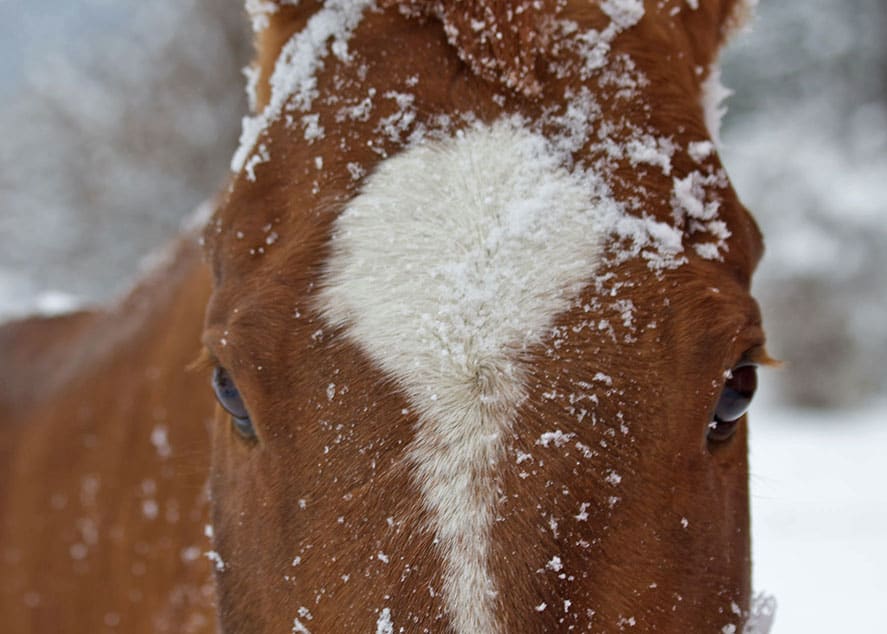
486	346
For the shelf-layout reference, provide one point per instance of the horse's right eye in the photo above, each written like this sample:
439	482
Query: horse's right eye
229	398
735	399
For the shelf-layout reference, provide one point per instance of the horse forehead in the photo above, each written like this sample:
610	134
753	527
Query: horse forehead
649	151
513	192
478	241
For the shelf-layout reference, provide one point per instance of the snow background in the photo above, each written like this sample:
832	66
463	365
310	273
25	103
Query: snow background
115	127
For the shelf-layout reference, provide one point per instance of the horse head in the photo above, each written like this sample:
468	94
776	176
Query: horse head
481	329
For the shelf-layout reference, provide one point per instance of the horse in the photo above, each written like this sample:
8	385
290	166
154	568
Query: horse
474	347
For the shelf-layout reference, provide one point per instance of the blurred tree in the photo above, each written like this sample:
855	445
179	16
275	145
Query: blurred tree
109	145
807	148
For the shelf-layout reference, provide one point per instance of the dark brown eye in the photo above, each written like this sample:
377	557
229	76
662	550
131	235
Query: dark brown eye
736	397
229	398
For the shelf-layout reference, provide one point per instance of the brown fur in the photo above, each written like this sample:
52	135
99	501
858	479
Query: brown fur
288	19
499	40
327	481
79	399
517	36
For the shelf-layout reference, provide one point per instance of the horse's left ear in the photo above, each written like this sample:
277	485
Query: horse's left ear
712	23
273	22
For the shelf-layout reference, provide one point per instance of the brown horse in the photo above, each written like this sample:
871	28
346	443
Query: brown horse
478	321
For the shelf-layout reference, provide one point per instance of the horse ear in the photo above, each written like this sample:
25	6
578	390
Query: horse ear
712	23
273	22
500	40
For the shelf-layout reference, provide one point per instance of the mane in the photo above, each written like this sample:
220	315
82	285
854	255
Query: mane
500	40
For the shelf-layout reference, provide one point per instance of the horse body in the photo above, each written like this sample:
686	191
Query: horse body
477	287
103	496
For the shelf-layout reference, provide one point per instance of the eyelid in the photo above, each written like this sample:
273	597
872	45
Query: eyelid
204	362
758	356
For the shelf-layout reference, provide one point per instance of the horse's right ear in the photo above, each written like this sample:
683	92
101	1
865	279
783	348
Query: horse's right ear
273	22
712	24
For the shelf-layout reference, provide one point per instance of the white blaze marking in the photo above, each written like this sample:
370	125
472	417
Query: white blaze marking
449	266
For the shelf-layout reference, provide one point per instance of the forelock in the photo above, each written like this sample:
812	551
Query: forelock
500	40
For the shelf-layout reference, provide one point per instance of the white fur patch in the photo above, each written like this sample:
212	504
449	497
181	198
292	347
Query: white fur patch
450	265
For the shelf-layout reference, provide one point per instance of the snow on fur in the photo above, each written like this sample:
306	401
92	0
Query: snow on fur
294	81
499	41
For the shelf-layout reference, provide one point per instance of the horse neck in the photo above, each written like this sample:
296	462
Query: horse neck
107	432
44	357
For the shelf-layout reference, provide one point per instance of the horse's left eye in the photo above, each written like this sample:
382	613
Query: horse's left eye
734	402
229	398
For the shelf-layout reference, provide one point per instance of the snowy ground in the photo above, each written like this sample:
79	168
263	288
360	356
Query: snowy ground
819	513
